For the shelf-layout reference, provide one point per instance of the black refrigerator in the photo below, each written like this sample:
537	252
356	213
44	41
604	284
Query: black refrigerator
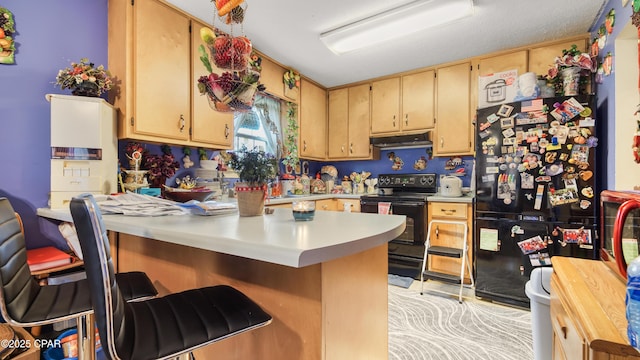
536	191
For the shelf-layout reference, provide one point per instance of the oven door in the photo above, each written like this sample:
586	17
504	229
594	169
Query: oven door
407	250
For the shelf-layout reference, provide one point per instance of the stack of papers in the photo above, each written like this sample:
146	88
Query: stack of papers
209	207
139	205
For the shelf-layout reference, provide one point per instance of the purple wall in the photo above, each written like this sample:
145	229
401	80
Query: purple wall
49	35
606	91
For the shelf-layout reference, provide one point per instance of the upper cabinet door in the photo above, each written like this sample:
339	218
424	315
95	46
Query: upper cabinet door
162	64
453	116
515	60
209	127
418	101
338	123
313	121
359	116
385	106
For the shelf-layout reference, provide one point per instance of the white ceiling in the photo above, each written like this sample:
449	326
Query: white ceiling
288	32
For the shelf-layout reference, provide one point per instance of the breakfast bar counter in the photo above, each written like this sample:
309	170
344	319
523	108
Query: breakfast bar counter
323	281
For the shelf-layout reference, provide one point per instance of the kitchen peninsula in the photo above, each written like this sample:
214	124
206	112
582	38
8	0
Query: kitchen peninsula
323	281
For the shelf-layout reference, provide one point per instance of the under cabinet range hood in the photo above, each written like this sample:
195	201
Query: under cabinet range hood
402	141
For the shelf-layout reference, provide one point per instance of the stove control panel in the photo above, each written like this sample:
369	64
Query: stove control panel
425	182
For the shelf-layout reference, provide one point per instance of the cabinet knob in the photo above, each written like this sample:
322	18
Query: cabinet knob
406	119
342	148
324	207
394	121
226	131
437	231
441	141
351	148
304	145
182	123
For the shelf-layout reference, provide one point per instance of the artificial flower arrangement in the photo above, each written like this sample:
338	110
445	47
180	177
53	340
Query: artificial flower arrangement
291	79
160	167
290	161
234	89
134	152
83	78
572	58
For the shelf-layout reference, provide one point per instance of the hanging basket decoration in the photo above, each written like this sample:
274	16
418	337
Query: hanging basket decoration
232	90
231	53
231	11
235	87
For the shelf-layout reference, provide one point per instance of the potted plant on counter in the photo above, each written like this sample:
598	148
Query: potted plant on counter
255	168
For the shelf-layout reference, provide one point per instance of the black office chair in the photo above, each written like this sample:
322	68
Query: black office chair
25	303
159	328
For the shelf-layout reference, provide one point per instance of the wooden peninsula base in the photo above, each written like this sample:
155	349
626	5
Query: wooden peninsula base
332	310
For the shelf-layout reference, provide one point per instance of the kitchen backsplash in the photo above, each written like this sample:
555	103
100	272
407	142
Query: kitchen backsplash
404	161
401	161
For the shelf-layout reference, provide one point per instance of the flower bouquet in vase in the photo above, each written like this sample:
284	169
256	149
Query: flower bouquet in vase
85	79
568	69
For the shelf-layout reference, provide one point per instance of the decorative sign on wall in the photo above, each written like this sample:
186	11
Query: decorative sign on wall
7	44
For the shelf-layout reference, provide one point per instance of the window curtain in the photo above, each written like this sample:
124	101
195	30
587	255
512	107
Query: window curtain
268	110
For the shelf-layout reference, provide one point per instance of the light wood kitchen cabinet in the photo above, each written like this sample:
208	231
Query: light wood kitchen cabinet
313	121
209	128
159	100
271	77
418	101
490	65
403	104
349	115
337	204
450	235
155	96
454	128
385	106
588	312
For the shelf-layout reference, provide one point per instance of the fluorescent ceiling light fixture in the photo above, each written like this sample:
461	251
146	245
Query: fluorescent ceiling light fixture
395	23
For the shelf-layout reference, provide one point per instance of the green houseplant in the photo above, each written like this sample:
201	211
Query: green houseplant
255	168
291	160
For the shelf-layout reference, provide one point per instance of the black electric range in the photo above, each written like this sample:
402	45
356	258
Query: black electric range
407	194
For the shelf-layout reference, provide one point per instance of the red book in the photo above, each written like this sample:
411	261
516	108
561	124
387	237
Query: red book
46	258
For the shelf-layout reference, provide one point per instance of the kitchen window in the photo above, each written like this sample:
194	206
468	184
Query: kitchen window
260	127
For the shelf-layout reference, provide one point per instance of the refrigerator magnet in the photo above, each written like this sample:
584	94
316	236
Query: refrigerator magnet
585	204
508	133
505	110
587	192
577	236
563	197
493	118
587	122
540	259
489	239
554	169
526	181
506	123
532	245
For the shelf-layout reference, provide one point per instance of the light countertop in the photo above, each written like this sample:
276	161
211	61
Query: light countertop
465	198
274	238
